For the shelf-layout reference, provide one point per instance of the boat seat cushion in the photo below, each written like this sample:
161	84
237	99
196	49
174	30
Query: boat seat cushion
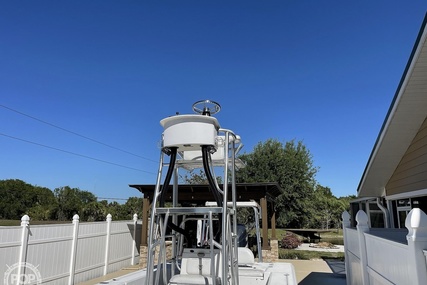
246	256
187	279
196	267
251	272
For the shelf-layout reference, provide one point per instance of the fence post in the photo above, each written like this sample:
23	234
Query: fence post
362	228
25	222
107	244
76	219
135	223
346	224
416	223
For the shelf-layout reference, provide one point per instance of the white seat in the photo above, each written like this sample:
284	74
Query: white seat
246	255
246	264
188	279
251	272
196	267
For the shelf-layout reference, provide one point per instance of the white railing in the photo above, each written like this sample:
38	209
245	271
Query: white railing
353	242
386	263
386	256
69	253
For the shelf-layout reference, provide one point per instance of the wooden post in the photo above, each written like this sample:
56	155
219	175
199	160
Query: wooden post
145	213
273	222
264	216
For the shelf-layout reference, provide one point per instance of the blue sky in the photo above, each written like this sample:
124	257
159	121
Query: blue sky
323	72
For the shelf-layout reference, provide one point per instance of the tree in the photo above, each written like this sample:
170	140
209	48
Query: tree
71	201
40	203
132	206
193	177
325	209
346	201
13	202
117	210
197	176
324	202
94	211
289	165
19	198
43	204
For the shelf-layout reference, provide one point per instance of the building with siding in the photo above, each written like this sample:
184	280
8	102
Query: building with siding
395	178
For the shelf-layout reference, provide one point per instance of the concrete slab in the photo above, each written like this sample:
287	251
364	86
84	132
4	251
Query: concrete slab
318	272
312	247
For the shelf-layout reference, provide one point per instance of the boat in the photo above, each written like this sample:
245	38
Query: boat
200	245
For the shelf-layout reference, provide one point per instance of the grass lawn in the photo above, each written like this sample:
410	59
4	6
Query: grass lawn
9	223
334	233
308	254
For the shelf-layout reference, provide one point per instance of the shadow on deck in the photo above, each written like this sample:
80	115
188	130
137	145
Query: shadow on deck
319	272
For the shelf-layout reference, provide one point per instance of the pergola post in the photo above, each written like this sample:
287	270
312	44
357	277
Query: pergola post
263	203
273	222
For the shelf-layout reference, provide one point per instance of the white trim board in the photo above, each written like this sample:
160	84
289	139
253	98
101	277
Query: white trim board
412	194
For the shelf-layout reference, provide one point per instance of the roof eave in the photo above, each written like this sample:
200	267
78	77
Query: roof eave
397	131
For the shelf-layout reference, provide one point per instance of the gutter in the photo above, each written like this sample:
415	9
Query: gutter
385	212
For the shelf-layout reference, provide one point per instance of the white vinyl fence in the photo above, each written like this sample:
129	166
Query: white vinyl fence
386	256
69	253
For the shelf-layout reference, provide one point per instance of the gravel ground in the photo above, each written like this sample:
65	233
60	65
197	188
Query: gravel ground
311	246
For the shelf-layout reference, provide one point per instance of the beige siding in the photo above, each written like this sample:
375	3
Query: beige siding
411	173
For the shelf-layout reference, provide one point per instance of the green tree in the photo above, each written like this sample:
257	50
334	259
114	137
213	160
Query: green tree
132	206
13	202
291	166
117	210
197	176
327	209
19	198
346	202
71	201
43	204
94	211
194	176
323	204
40	203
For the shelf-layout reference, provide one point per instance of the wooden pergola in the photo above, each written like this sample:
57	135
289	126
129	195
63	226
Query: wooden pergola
199	194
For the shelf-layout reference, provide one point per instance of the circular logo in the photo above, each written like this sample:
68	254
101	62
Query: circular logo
22	273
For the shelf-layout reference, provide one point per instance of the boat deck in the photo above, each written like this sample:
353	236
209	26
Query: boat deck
308	272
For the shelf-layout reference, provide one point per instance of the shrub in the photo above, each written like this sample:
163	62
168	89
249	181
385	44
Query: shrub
290	241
